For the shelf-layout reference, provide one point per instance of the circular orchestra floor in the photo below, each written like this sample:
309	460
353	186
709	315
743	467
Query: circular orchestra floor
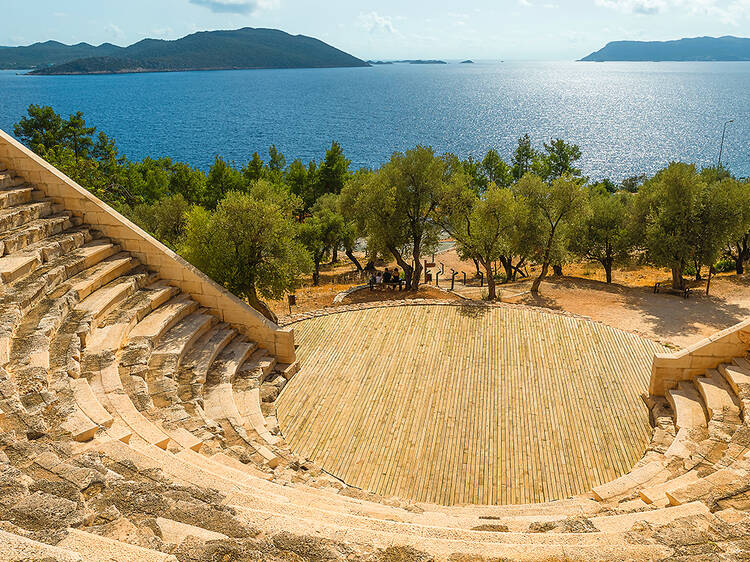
468	404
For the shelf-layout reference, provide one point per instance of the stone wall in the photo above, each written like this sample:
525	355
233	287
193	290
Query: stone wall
670	368
171	267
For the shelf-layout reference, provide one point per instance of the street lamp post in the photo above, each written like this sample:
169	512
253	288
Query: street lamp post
721	148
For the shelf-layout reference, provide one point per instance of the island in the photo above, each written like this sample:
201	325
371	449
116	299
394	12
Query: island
727	48
467	62
420	61
246	48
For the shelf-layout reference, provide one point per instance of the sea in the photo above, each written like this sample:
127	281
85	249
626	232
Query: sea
628	118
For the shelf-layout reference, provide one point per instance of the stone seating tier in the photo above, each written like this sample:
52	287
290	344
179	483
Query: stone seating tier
134	425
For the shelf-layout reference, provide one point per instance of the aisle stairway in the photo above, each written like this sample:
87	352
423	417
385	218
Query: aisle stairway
136	424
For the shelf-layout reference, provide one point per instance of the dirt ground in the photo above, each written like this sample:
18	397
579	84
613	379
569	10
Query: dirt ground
629	303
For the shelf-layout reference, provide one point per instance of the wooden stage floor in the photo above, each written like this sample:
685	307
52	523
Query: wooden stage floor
468	405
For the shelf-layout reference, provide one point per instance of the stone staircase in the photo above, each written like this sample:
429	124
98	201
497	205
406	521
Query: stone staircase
136	423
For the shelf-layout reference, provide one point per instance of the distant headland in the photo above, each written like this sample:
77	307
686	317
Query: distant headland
725	48
208	50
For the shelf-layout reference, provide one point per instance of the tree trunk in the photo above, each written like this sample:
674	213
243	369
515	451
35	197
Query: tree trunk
476	264
417	273
508	266
739	265
538	280
708	283
335	255
353	259
557	269
408	269
491	293
545	265
677	276
607	263
316	273
260	306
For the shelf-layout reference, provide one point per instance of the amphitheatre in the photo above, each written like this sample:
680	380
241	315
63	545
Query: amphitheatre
148	414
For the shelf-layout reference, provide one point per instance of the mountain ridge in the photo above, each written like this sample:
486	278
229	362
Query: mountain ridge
724	48
243	48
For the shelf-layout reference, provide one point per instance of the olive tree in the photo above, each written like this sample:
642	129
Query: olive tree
482	226
551	207
396	207
249	245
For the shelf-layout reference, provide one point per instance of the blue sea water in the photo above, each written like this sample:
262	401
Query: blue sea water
628	118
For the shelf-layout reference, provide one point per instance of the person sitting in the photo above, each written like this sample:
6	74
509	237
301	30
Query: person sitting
387	277
378	278
397	277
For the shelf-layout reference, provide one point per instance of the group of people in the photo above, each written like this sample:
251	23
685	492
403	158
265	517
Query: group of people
388	278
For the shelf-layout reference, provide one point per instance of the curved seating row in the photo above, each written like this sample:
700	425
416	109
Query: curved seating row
117	391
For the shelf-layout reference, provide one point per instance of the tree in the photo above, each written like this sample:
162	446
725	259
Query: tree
396	207
78	136
222	178
481	226
254	170
552	206
188	182
164	219
738	246
602	232
249	245
42	130
666	217
523	157
496	170
322	232
716	221
559	160
333	171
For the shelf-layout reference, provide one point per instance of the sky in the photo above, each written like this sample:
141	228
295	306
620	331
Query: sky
387	29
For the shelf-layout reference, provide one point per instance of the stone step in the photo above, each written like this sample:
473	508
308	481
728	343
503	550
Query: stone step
174	344
20	215
15	548
687	406
156	324
110	392
229	361
18	195
737	375
22	237
623	523
15	265
260	363
102	302
716	484
102	273
288	370
79	425
112	331
657	494
89	404
7	180
94	548
248	406
717	395
175	532
198	360
629	482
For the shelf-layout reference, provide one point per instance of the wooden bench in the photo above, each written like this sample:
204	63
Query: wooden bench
391	284
664	287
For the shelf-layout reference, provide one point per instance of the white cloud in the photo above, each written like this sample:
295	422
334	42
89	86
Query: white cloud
726	11
236	6
114	31
374	22
644	7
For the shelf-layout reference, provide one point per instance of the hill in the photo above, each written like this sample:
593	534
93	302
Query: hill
725	48
51	52
207	50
